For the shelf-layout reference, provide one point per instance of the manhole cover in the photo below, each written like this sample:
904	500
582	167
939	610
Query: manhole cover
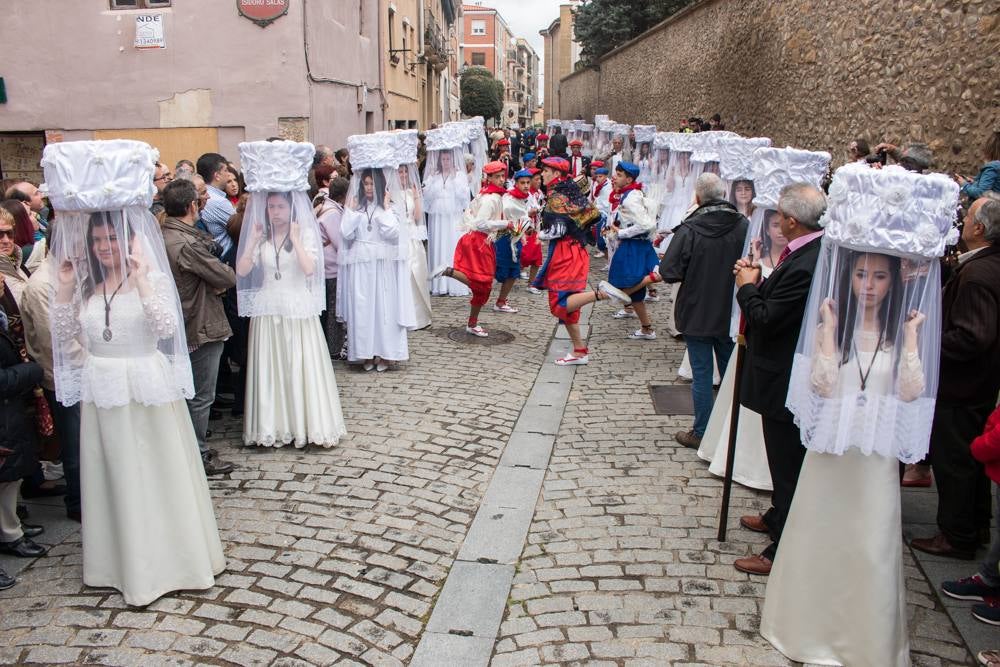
496	337
672	399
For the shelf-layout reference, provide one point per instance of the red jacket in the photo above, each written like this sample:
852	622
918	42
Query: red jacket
986	448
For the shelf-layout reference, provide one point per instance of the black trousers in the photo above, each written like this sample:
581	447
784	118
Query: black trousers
784	459
963	513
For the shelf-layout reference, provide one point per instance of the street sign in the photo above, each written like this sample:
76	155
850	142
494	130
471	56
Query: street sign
262	12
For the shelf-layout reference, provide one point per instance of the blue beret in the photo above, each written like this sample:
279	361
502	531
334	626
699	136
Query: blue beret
529	156
629	168
524	173
601	170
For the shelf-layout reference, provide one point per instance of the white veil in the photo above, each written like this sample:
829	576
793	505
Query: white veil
865	372
279	261
117	325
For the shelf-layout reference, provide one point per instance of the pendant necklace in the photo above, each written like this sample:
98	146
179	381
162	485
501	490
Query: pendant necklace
107	309
370	215
277	258
862	398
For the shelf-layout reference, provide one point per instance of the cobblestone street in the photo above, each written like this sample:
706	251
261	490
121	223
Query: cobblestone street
338	556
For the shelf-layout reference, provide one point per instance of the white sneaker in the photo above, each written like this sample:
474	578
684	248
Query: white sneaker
652	298
477	331
504	308
613	292
570	360
524	275
439	271
534	290
368	366
381	367
639	335
624	314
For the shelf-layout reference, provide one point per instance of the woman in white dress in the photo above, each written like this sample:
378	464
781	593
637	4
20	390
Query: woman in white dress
375	296
291	394
119	350
862	392
766	244
446	196
408	207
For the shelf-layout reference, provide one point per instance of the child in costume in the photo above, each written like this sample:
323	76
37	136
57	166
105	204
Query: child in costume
474	264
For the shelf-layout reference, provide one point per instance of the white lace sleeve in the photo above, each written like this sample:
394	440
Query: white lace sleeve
66	320
159	307
911	376
825	374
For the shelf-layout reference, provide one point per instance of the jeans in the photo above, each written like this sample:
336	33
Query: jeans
990	569
205	369
67	426
700	349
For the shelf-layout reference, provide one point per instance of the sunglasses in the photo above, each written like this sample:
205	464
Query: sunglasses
9	233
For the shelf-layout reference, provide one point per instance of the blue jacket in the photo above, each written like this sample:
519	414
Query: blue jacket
988	179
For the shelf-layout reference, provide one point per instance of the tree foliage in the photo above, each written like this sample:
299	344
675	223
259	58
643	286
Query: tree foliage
482	95
601	26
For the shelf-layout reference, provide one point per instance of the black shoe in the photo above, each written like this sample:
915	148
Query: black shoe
30	530
214	466
6	581
74	515
23	548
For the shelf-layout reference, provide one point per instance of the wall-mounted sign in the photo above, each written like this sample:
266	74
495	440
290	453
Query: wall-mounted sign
149	32
262	12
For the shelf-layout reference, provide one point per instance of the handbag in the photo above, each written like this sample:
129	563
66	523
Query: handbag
44	424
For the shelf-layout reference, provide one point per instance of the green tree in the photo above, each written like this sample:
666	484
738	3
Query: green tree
601	26
482	95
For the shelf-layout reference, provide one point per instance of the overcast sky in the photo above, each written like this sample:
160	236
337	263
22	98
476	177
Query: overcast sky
525	18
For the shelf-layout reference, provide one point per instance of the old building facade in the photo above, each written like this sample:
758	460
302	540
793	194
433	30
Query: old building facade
561	53
216	74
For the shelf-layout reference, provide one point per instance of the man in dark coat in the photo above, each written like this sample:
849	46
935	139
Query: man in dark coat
700	257
773	312
968	386
557	143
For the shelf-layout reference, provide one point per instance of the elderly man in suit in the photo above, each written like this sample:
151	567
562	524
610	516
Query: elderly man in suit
773	312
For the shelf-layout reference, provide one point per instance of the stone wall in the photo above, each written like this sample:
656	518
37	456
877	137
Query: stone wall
812	74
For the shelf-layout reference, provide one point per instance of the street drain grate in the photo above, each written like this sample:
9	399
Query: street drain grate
496	337
672	399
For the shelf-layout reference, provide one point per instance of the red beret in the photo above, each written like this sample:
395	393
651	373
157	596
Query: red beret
542	137
503	142
576	142
597	163
495	167
557	163
535	171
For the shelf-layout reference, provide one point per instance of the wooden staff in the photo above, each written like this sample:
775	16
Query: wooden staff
734	423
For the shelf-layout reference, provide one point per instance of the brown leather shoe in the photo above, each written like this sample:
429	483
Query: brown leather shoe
754	522
753	565
688	439
940	546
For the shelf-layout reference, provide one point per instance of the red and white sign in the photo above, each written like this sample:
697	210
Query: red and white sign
262	12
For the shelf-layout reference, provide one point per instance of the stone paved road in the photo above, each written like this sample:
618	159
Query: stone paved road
336	556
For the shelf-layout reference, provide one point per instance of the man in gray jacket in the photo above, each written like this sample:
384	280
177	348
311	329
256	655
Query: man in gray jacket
700	257
201	279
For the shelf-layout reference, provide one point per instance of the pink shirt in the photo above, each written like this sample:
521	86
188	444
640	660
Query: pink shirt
329	232
801	241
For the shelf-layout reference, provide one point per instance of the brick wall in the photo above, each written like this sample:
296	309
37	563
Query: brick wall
812	74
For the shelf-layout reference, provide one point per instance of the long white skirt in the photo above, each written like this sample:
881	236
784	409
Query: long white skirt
836	594
443	233
149	526
291	391
751	456
419	283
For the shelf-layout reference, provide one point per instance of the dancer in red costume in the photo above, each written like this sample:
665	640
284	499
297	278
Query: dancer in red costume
566	222
474	263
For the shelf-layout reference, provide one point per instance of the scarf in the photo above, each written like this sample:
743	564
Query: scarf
618	196
517	194
598	187
490	189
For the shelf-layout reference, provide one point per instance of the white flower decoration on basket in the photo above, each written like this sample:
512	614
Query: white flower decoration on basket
276	166
904	213
774	168
123	180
